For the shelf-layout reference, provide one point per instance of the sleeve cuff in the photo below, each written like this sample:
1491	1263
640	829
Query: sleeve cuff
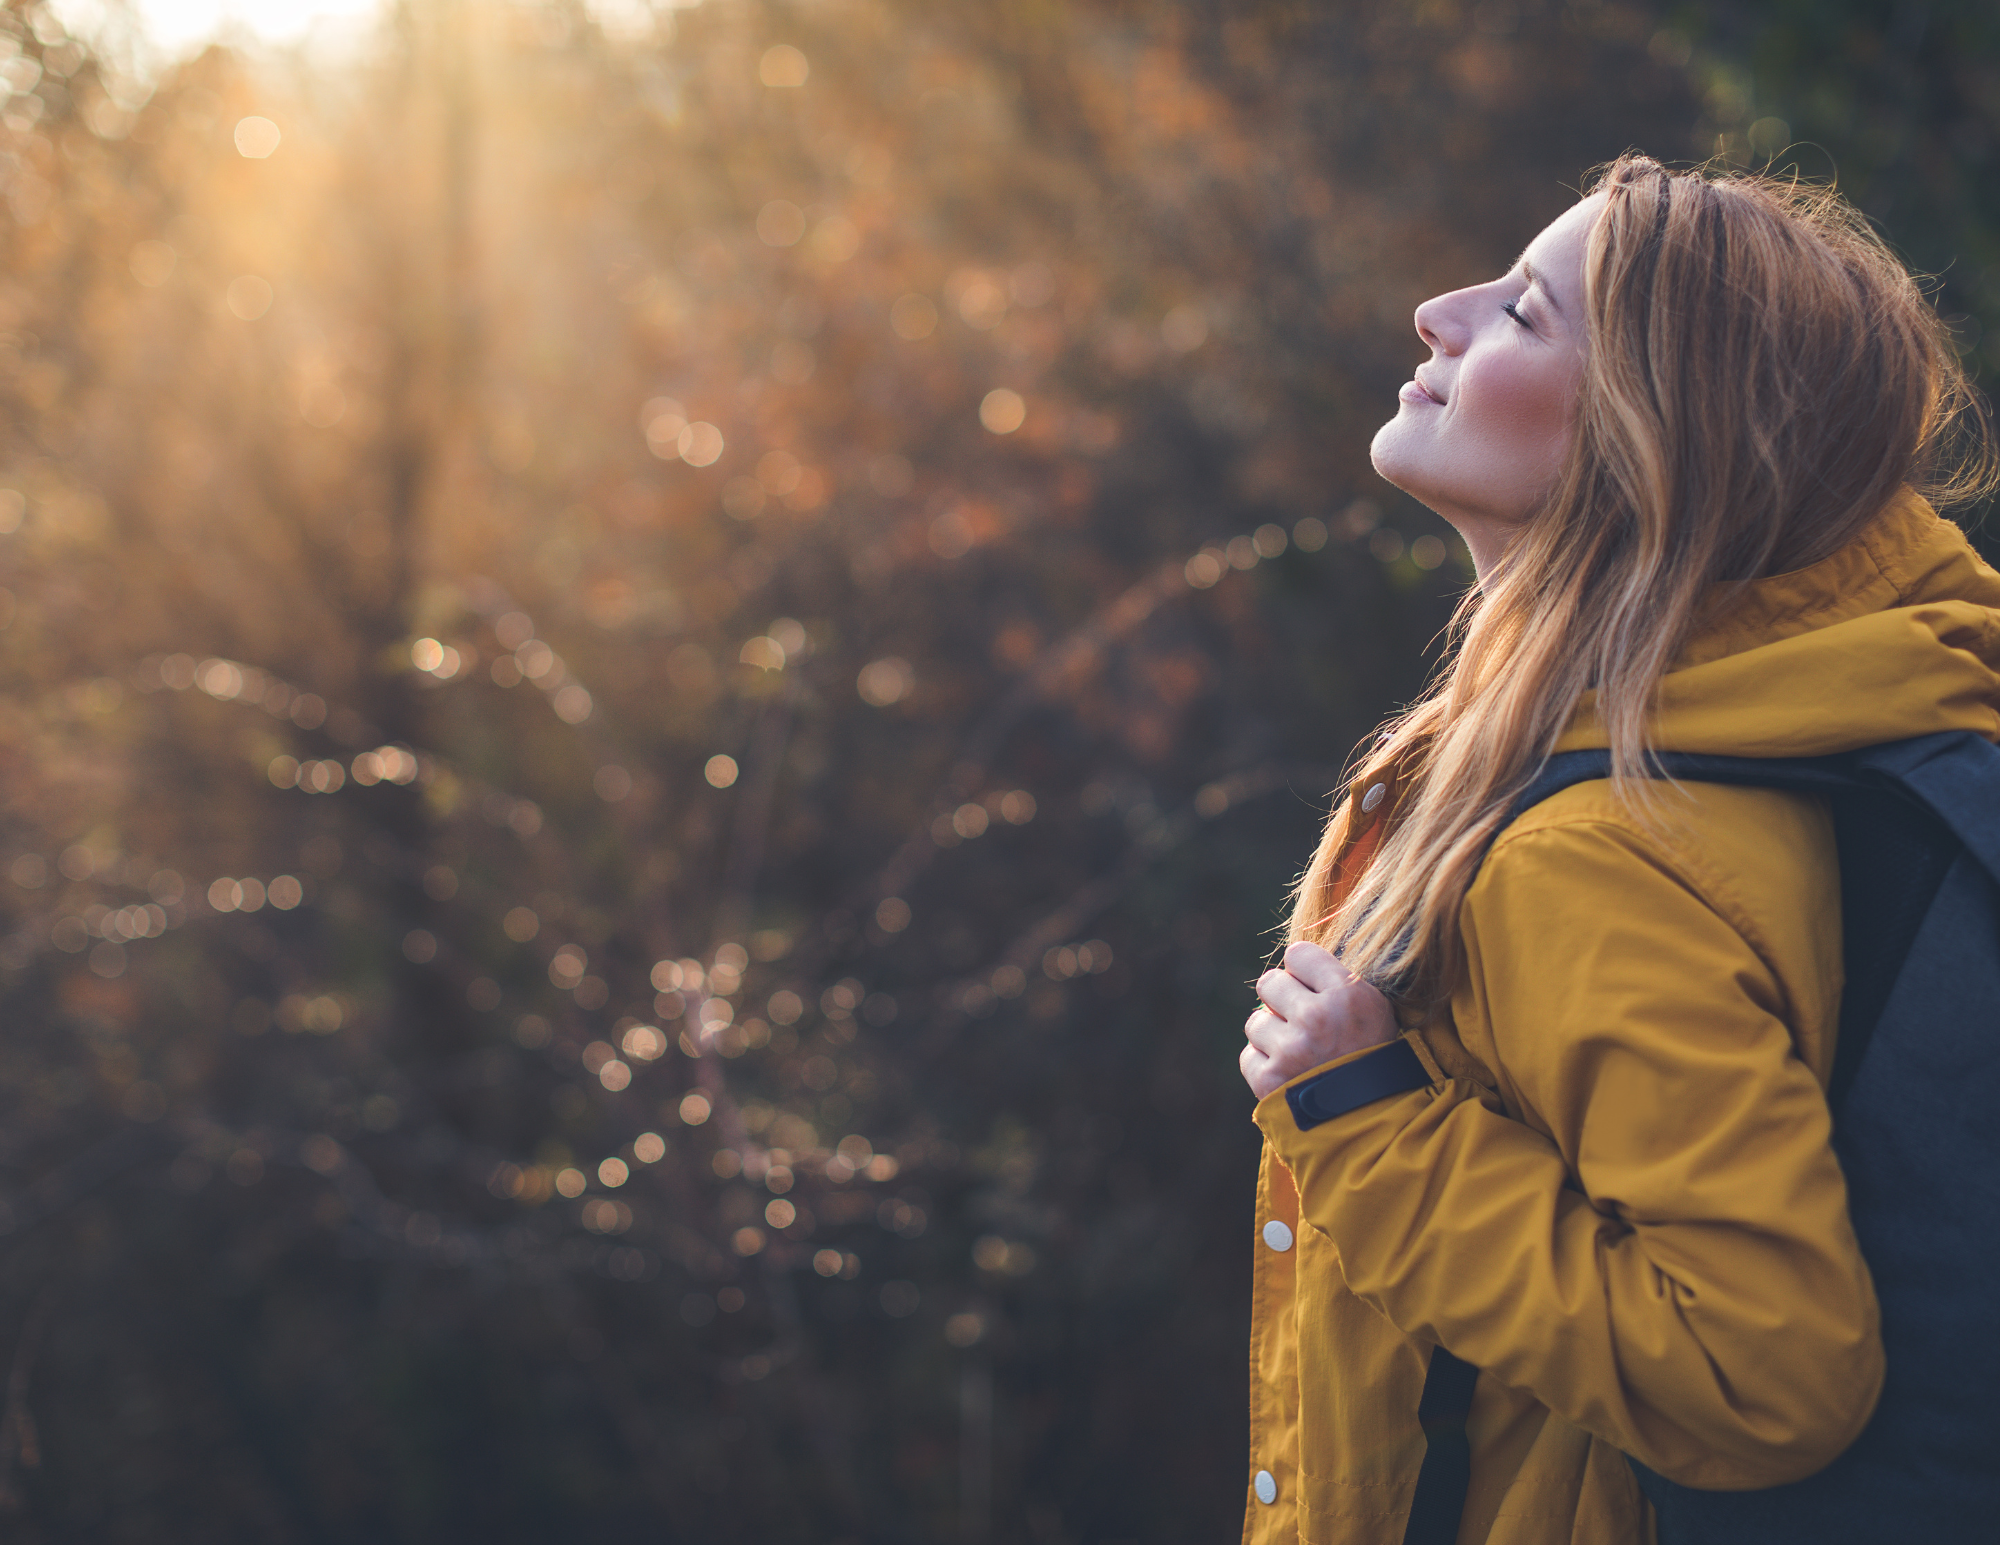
1390	1069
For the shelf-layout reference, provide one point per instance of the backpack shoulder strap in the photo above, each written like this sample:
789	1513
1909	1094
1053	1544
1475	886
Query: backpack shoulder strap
1954	774
1830	775
1558	773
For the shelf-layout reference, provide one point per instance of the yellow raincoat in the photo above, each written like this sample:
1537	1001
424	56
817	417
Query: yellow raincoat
1617	1199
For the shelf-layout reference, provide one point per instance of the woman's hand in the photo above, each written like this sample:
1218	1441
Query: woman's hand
1314	1010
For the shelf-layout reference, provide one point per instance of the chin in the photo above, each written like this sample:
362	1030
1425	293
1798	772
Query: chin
1391	461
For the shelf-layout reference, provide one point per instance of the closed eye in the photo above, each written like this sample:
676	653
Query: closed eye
1513	312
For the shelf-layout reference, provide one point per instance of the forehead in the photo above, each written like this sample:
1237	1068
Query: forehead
1554	259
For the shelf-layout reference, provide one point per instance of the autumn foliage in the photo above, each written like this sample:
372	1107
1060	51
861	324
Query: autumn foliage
664	674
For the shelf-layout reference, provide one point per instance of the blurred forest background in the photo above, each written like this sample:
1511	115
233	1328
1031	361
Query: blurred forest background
665	665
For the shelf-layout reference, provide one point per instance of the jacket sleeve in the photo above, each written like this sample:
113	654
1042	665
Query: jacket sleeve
1658	1248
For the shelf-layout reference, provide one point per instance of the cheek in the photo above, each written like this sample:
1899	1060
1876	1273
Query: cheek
1522	402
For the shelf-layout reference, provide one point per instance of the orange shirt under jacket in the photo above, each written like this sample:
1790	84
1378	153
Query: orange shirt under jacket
1617	1197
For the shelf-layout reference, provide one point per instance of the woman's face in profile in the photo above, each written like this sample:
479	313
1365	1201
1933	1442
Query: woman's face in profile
1483	428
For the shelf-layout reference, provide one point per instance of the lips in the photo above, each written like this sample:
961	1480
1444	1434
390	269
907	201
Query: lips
1428	390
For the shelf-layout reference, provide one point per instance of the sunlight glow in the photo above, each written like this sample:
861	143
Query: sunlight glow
178	27
175	28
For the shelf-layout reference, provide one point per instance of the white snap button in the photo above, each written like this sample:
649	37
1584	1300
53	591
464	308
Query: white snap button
1277	1236
1373	797
1267	1487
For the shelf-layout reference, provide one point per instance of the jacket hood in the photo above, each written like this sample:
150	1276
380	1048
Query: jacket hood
1895	635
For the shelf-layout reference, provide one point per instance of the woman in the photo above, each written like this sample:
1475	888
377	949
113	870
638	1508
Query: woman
1584	1147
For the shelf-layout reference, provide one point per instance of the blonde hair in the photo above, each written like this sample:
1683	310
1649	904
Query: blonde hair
1762	377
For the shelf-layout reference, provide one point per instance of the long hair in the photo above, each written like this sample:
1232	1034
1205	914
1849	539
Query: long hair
1762	377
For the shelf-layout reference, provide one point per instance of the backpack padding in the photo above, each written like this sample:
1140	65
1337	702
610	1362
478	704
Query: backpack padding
1955	774
1893	857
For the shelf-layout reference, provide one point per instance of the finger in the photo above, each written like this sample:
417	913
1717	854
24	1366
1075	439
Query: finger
1266	1032
1259	1072
1316	966
1284	994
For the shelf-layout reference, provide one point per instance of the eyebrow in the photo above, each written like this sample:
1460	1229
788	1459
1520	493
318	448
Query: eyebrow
1534	277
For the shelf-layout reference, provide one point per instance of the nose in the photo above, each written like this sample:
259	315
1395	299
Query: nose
1440	323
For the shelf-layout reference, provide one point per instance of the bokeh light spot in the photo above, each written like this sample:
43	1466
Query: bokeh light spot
743	498
835	239
257	138
611	783
572	703
951	535
783	66
152	263
644	1043
700	444
885	681
249	297
1017	807
322	404
982	302
661	420
1184	329
913	317
1003	410
780	223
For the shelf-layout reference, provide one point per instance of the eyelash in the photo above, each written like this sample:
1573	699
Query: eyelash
1516	315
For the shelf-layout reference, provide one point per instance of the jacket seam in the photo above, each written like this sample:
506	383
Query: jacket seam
1874	544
